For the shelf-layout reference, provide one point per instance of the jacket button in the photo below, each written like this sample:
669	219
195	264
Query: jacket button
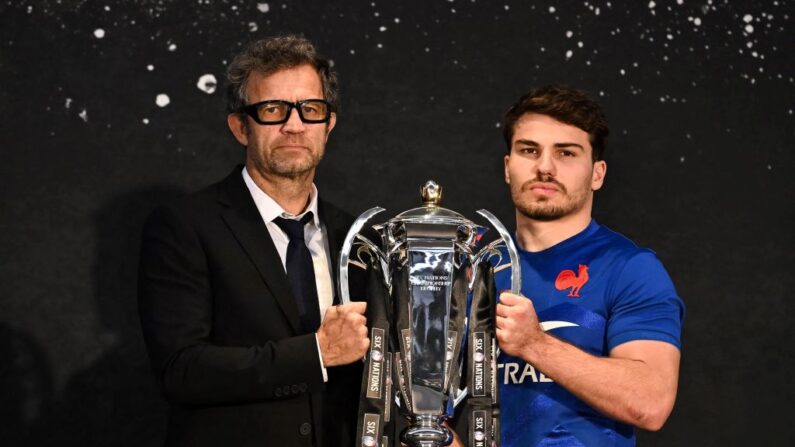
305	428
286	390
294	389
278	392
302	387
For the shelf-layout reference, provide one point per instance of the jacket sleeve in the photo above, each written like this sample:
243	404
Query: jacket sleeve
175	303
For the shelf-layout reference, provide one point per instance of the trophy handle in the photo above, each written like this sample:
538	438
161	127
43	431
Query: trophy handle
516	268
345	294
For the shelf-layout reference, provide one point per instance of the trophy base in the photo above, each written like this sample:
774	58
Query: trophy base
426	430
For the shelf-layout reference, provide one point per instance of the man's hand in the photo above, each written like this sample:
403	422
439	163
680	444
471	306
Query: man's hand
517	325
343	334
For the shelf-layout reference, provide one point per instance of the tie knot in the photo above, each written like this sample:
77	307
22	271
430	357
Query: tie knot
294	228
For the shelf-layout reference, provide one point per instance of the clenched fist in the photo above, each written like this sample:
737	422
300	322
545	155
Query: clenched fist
517	325
343	334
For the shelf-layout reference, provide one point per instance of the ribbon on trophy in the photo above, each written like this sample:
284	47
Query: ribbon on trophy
483	403
456	332
375	403
402	336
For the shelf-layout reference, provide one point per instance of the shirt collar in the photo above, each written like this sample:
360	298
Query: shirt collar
269	209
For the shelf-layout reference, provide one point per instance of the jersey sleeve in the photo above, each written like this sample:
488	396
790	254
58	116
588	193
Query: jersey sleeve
645	304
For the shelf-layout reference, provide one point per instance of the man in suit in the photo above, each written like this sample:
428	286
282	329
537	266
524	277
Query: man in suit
234	279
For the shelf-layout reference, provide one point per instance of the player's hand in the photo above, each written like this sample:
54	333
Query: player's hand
343	334
517	324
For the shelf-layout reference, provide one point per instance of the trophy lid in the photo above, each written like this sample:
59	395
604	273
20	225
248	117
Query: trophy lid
431	212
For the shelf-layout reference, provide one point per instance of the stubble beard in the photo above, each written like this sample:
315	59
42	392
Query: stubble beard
292	167
545	209
286	164
275	161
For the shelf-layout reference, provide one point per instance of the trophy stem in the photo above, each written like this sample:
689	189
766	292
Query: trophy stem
426	430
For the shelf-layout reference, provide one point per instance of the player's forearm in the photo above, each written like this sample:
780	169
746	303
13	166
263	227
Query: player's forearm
628	390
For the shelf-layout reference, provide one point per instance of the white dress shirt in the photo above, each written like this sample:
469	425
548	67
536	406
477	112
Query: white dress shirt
315	237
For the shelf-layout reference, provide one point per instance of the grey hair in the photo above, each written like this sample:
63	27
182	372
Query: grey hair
272	54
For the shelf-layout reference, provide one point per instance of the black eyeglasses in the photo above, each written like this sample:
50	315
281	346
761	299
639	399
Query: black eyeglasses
276	111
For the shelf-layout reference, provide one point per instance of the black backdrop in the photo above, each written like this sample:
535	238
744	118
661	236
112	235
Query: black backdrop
699	94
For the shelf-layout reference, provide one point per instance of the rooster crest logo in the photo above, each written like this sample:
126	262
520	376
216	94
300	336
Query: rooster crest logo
567	279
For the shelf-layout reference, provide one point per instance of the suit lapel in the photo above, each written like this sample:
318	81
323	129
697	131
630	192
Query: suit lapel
245	222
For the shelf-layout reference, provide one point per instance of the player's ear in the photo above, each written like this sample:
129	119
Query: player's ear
239	127
331	123
599	172
506	160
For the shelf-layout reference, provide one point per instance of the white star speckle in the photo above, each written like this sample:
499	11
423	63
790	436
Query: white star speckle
207	83
162	100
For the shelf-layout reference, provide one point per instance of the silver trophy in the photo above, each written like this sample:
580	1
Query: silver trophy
428	260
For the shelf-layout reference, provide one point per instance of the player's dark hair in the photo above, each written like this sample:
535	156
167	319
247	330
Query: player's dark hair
566	105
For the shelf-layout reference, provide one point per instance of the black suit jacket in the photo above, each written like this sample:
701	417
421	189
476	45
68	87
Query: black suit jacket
222	328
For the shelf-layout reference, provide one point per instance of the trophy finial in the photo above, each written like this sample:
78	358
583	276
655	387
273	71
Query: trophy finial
431	193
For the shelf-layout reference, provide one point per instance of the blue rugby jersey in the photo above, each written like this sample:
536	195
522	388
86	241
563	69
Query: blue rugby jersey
595	290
